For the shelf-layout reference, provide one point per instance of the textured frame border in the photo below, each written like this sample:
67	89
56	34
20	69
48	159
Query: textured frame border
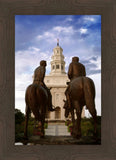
8	10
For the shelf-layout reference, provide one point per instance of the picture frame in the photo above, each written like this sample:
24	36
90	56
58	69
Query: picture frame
8	10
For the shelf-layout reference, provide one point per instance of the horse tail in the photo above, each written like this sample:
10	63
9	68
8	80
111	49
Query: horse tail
89	90
89	93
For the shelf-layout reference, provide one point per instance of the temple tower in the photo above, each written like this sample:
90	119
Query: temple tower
57	62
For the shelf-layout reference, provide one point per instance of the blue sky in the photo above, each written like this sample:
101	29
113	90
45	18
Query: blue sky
36	36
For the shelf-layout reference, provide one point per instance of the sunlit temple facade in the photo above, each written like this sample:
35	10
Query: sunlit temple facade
56	80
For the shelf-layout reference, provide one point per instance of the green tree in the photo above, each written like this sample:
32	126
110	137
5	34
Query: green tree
19	116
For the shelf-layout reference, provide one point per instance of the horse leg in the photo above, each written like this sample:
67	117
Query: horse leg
43	111
93	112
37	115
78	113
77	123
27	112
42	126
72	115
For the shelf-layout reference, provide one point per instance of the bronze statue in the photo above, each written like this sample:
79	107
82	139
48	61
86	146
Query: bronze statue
38	98
82	92
75	70
39	75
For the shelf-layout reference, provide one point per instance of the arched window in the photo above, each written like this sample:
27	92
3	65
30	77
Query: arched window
62	67
53	67
57	113
57	66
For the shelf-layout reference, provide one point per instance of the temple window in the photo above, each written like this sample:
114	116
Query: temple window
57	66
53	67
62	67
57	113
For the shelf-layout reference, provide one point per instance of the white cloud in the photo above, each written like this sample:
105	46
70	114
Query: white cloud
68	29
20	103
97	62
25	63
39	37
69	19
83	30
64	34
22	81
97	81
88	18
29	58
91	19
46	35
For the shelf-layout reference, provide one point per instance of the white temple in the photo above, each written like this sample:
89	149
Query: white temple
56	80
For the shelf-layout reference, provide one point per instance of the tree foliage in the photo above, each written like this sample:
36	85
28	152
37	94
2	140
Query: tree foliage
19	116
87	126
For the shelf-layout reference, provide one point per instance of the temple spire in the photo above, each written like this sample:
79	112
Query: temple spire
57	42
57	62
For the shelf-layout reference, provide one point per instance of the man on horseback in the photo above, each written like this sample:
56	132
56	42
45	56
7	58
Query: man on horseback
75	70
39	75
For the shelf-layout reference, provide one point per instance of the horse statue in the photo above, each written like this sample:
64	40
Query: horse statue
36	99
82	92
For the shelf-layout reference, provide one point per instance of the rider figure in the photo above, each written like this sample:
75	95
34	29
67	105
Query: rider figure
39	75
75	70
